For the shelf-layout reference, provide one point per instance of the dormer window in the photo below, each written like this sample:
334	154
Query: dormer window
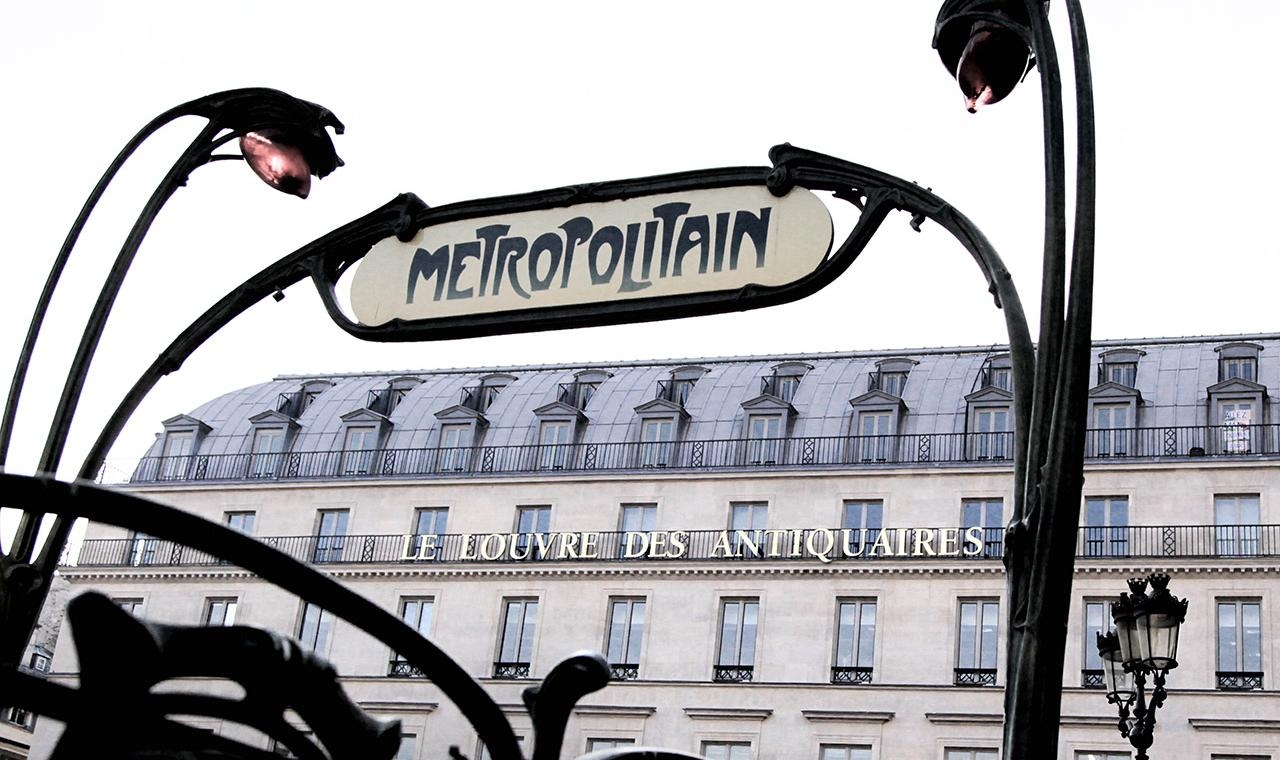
890	376
997	372
784	380
679	385
1238	361
578	393
295	403
767	424
480	397
1119	366
272	434
182	436
1237	403
363	433
385	400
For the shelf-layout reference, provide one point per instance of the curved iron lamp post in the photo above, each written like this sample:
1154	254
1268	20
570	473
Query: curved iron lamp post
989	46
284	140
1143	645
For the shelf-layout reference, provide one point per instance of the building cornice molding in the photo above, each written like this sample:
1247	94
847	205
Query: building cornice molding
400	706
614	711
847	716
967	719
727	713
1235	724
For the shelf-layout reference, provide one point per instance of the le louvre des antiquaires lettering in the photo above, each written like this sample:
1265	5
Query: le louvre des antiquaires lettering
692	241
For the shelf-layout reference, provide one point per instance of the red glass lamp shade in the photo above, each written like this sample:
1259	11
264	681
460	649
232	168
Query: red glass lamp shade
984	44
277	161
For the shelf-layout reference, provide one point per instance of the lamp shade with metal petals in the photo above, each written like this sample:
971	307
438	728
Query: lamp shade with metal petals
277	161
1159	619
1119	682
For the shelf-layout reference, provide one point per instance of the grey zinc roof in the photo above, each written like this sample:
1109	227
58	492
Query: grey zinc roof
1172	377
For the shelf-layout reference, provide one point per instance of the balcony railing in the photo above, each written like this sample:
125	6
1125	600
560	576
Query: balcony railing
926	449
975	677
623	671
840	674
510	670
1230	680
825	545
733	673
1092	679
402	669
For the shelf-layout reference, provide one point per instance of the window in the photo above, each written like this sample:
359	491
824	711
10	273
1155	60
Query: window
952	753
892	383
976	655
987	514
999	377
656	436
764	434
1234	420
455	447
855	641
142	549
624	637
991	433
357	450
726	750
1236	518
786	387
515	648
531	521
844	752
39	661
1112	429
1096	621
220	612
735	660
131	606
482	752
1085	755
553	444
1106	531
639	518
1120	373
408	747
241	521
314	628
416	612
176	455
1238	368
680	390
866	517
19	716
268	449
1239	644
747	522
331	532
595	744
875	429
428	522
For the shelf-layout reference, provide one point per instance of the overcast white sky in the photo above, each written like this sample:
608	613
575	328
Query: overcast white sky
465	100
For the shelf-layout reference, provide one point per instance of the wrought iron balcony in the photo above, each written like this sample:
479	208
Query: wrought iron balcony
975	677
835	452
733	673
842	674
510	670
623	672
1238	680
402	669
1092	679
823	544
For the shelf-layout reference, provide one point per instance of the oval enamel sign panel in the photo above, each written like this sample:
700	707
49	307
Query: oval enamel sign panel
672	244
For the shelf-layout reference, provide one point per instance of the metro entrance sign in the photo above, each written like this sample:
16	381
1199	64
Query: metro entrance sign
667	244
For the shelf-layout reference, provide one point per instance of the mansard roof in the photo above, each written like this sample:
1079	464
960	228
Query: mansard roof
1174	378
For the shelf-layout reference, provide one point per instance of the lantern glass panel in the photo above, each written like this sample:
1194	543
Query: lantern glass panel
1119	683
1162	640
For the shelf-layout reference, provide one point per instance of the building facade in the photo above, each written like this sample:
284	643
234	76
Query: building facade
784	557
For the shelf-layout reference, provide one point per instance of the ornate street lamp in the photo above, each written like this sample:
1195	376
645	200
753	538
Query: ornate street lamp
1143	645
285	141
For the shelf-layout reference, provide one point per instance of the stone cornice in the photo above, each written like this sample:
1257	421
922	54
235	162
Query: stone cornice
726	713
846	716
968	719
626	711
401	706
1234	724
